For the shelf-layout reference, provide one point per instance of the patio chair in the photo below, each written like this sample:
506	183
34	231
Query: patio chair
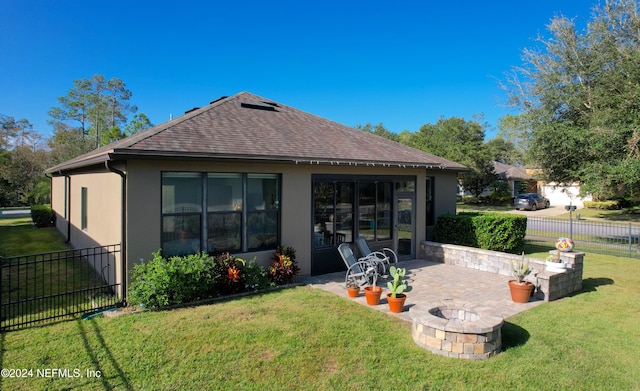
382	257
362	271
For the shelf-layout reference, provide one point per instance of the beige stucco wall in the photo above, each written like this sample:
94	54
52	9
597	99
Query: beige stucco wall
104	217
143	195
58	202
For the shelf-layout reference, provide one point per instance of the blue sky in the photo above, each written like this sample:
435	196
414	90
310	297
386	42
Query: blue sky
402	63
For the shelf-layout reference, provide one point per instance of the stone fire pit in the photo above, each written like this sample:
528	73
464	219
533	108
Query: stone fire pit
457	330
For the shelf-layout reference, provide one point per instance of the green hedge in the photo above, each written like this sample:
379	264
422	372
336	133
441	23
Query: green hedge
42	216
489	231
605	205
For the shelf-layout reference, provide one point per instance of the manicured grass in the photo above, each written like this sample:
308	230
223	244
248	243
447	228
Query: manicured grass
32	277
19	237
302	338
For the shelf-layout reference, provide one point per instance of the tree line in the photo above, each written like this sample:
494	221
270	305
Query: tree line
93	113
575	97
576	100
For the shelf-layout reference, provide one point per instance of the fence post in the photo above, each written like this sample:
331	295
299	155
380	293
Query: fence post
630	240
570	225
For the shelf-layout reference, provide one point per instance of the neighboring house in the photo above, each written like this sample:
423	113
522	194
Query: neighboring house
517	177
244	174
563	195
559	195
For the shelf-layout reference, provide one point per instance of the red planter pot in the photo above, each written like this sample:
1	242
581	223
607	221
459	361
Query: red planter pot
396	304
353	292
520	293
373	296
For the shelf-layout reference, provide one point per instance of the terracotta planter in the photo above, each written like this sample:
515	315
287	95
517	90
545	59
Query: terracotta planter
373	296
353	292
396	305
520	293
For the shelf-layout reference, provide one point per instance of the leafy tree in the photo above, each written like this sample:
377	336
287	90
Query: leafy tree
139	123
513	130
460	141
379	130
504	151
21	170
578	94
67	143
21	163
16	132
95	106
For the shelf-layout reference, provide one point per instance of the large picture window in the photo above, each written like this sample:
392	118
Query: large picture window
219	212
181	213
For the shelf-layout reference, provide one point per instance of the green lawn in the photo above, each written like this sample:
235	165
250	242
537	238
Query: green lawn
18	236
30	278
303	338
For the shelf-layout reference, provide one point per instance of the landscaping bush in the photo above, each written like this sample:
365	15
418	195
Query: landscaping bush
167	281
604	205
284	268
470	200
42	216
180	279
231	274
500	193
498	232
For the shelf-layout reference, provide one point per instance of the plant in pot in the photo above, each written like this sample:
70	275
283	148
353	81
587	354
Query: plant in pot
353	289
396	297
554	263
373	292
521	290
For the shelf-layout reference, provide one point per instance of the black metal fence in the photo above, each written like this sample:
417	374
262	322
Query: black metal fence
55	285
619	239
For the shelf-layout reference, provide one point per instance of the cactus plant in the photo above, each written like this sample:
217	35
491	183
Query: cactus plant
520	269
398	285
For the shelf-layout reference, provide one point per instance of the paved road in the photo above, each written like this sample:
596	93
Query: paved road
14	212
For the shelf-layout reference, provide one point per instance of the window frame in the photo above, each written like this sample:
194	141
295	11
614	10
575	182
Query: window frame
244	211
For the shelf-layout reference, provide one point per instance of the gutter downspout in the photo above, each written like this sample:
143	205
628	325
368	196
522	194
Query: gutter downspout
67	206
123	239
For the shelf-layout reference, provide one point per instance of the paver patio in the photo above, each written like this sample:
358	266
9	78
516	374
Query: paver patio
435	283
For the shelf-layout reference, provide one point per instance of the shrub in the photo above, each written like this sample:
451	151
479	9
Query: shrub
470	200
456	229
230	274
498	232
256	277
167	281
42	216
500	193
605	205
284	268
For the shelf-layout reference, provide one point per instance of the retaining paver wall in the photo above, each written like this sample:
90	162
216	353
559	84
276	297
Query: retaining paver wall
549	285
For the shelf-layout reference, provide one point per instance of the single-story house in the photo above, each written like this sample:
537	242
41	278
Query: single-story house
244	174
517	177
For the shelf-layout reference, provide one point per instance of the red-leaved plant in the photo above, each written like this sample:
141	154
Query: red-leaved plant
231	278
284	268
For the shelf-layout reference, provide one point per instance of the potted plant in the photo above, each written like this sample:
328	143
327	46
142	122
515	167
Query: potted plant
521	290
373	292
396	297
555	264
353	289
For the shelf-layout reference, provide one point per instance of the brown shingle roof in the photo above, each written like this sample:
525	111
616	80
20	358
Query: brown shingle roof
506	171
248	127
